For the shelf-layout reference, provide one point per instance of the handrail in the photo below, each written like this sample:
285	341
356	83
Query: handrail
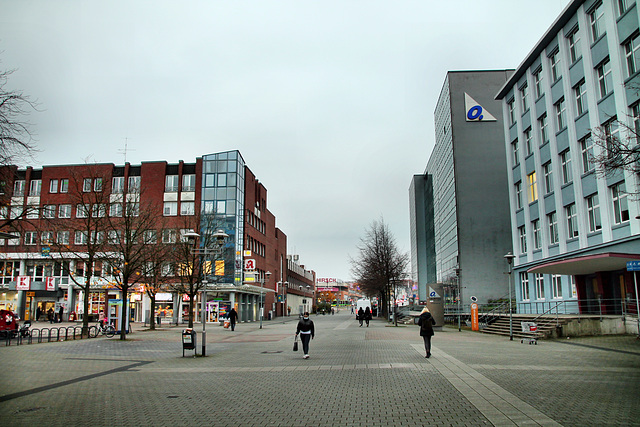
546	311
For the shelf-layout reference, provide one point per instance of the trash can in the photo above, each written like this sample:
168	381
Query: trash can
188	341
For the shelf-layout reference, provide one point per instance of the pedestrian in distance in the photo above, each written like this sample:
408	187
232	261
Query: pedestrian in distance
233	316
426	322
351	309
360	316
38	313
367	316
60	314
50	315
306	330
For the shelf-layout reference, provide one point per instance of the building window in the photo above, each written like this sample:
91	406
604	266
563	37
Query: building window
574	289
605	79
512	112
134	184
53	186
537	79
222	179
565	162
30	237
117	184
46	238
596	22
572	221
171	183
593	211
150	237
539	286
620	205
49	211
537	236
552	220
64	185
97	185
115	210
80	238
524	286
114	237
544	135
518	186
554	61
168	236
548	177
170	209
635	116
611	132
62	237
82	211
556	286
561	108
631	49
99	210
522	233
532	187
524	97
574	45
187	208
516	152
64	211
35	186
528	141
580	91
167	269
18	188
86	185
132	209
586	148
188	183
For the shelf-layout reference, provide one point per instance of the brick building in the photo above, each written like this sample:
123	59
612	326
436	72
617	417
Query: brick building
33	276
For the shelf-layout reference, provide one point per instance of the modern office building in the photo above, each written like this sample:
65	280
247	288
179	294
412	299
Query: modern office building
574	228
459	206
37	201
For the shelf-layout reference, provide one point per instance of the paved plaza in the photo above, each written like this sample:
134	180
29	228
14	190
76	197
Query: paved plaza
355	376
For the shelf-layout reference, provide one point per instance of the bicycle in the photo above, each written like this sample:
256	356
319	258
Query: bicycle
107	330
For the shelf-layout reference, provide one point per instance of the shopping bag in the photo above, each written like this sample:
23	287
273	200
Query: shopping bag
226	324
295	343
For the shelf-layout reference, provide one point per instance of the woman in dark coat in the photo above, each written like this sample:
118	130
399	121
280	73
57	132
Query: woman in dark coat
360	315
367	316
426	323
307	331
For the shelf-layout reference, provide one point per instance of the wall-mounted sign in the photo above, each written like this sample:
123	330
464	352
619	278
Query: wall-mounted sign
249	264
23	283
50	283
474	112
433	293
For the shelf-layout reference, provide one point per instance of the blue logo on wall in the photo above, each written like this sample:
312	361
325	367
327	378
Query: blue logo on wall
475	112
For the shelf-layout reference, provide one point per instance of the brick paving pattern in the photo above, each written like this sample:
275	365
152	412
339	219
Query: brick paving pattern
374	376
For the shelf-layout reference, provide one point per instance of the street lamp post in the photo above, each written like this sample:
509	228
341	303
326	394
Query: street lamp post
459	299
267	274
509	257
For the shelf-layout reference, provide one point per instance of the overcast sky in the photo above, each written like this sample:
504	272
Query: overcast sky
330	102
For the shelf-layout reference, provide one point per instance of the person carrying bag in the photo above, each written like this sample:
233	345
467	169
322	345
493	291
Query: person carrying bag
295	343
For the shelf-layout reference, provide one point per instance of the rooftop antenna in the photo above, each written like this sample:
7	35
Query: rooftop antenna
126	149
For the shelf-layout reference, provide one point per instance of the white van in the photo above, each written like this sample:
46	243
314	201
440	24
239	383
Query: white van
364	303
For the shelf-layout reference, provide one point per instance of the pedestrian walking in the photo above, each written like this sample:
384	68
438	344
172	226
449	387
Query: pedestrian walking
38	313
367	316
426	322
307	332
50	315
60	313
360	315
351	309
233	316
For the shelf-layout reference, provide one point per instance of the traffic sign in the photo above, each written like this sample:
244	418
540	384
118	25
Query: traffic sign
633	265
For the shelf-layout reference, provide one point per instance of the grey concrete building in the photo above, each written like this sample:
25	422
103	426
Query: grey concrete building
574	228
459	206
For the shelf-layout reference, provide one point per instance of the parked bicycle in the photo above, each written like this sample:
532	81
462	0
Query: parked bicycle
107	330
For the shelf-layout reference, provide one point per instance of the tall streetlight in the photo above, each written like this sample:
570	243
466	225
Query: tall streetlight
509	257
219	237
267	274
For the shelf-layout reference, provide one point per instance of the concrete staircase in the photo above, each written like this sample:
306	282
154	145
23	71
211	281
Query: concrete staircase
547	326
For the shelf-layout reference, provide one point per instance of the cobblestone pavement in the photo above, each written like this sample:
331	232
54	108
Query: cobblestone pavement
376	376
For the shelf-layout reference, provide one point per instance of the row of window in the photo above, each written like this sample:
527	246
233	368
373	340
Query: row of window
255	246
620	208
556	287
82	237
255	222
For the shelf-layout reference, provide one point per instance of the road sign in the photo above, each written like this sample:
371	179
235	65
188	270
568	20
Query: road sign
633	265
249	264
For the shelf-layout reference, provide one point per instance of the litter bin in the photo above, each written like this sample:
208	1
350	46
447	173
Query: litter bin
188	340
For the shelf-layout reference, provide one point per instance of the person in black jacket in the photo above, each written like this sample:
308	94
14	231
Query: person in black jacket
426	323
233	316
307	332
360	316
367	316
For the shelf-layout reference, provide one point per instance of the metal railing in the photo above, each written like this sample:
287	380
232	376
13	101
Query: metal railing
55	334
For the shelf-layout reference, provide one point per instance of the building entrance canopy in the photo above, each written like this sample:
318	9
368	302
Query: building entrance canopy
588	264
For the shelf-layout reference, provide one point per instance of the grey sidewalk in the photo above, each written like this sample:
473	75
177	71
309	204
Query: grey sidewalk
375	376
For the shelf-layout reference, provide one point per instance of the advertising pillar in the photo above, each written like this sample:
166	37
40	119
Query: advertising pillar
435	303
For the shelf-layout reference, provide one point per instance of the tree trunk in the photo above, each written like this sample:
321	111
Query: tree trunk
191	311
123	323
152	320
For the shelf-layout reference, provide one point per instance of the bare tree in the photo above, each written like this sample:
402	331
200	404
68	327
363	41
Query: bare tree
80	240
16	142
618	148
157	272
379	263
193	264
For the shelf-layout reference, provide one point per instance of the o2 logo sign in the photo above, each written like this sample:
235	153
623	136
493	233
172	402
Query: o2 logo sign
475	112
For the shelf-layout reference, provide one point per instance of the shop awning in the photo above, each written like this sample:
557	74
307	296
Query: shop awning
587	264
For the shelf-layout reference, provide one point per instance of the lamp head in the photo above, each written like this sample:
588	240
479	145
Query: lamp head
509	257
